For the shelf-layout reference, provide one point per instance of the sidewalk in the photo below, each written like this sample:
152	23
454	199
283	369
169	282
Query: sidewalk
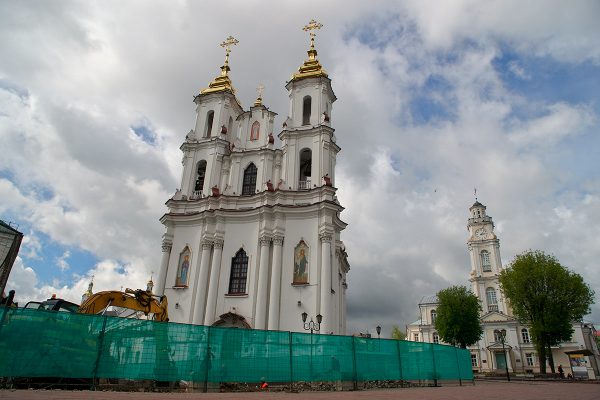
481	390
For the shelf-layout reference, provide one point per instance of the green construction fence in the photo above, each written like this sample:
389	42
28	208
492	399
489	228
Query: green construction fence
36	343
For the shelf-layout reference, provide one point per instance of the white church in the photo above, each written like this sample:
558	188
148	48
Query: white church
518	353
253	236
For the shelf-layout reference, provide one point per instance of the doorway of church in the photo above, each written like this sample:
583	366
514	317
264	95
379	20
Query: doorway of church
500	361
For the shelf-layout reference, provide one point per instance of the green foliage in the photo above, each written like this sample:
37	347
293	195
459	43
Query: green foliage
546	296
397	333
457	320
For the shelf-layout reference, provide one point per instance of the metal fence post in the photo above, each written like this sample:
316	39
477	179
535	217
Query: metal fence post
458	366
399	360
100	346
291	363
354	372
207	361
435	380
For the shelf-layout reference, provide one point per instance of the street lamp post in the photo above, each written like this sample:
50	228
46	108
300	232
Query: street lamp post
501	334
312	327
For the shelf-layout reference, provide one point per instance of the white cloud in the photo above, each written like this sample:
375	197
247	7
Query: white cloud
62	263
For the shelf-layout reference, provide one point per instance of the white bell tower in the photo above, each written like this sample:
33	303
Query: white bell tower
484	250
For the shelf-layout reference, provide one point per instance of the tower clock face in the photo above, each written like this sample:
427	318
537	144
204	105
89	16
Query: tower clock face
480	233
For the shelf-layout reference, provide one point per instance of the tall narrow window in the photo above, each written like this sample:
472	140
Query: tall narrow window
239	273
491	299
200	173
530	359
474	362
306	108
525	335
249	184
433	316
435	338
230	127
255	130
209	123
485	260
305	169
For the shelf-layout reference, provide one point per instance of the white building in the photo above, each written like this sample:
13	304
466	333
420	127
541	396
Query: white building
253	235
519	352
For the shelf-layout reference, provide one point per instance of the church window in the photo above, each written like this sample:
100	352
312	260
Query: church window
249	183
529	358
230	126
415	337
183	268
474	362
433	316
525	335
305	169
255	130
209	123
239	273
485	260
492	301
435	338
200	173
301	263
306	108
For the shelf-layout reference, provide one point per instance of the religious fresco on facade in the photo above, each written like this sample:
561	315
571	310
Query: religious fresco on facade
184	267
301	263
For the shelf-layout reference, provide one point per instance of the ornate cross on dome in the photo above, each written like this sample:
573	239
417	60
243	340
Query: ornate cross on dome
312	25
260	89
230	41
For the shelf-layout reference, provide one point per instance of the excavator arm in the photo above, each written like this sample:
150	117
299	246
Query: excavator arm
139	300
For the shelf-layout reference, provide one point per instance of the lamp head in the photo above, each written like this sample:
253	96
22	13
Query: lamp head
319	318
304	316
378	328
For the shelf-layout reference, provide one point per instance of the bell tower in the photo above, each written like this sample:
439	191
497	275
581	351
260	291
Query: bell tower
484	251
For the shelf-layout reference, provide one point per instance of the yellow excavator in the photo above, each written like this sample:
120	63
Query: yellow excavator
138	300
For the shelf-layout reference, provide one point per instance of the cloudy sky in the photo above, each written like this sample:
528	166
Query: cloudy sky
434	98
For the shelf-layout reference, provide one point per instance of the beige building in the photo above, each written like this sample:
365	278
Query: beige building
517	353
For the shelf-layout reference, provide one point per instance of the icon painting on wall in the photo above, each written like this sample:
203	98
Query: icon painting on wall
301	263
184	267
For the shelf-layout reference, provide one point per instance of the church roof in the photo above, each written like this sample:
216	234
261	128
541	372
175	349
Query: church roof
477	204
311	67
222	83
431	299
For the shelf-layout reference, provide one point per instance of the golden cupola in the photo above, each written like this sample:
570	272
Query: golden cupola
311	67
222	83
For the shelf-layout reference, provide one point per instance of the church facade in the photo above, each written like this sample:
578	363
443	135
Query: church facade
489	354
253	235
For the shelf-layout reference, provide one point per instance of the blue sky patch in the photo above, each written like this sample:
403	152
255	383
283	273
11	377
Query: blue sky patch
145	132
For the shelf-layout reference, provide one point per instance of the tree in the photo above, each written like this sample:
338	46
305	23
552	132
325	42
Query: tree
397	333
547	297
457	320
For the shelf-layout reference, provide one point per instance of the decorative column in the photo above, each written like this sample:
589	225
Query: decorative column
260	317
200	286
326	283
213	286
274	298
167	244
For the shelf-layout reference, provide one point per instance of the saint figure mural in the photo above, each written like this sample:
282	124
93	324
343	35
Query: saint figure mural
184	267
301	263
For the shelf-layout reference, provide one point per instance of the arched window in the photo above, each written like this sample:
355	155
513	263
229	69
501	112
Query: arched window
230	127
525	335
249	183
435	337
183	268
239	273
485	260
200	173
492	301
305	169
255	131
209	123
306	108
433	316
